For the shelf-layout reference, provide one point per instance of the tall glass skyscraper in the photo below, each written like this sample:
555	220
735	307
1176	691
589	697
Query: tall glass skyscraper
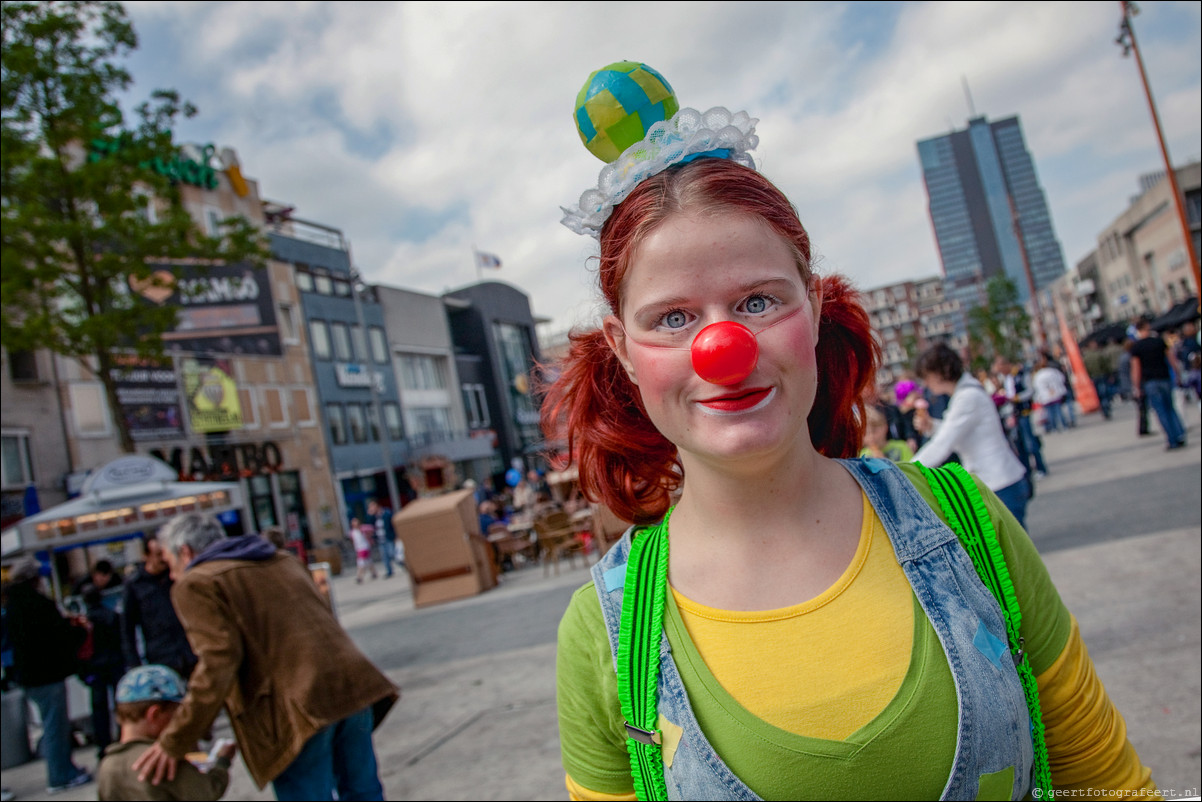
979	181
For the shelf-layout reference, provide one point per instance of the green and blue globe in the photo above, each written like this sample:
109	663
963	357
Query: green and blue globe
618	104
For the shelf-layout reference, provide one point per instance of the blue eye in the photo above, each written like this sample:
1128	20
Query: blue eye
758	304
675	319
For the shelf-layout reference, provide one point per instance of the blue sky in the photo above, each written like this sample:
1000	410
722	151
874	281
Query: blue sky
422	129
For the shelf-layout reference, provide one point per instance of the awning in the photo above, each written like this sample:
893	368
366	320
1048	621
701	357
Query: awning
1180	314
1111	332
129	494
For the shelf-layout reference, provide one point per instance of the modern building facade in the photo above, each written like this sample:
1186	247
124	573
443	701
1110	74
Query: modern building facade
983	193
442	449
355	385
1142	262
1140	267
497	351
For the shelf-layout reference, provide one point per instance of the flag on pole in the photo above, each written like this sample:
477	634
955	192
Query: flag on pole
487	260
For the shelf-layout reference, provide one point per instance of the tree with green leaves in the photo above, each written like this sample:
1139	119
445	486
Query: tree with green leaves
87	203
1000	326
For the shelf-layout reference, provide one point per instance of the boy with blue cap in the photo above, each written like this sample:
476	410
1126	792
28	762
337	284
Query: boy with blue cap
147	698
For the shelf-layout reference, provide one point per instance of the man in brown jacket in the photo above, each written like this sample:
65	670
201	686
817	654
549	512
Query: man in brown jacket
302	698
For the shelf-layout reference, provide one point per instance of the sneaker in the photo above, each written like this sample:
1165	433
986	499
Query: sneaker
83	778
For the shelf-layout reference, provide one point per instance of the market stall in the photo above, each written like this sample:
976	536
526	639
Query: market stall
122	500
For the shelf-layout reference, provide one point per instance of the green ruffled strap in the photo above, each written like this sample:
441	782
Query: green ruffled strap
643	598
968	517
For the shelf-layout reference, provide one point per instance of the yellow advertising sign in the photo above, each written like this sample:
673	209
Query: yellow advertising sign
212	394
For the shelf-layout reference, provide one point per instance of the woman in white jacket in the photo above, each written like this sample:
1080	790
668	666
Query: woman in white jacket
1050	392
970	428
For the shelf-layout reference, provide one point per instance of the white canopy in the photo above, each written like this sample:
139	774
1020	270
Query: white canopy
129	494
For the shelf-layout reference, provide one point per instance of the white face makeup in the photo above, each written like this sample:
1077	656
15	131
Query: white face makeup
691	273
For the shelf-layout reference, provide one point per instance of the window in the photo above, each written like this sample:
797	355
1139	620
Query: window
379	345
89	410
302	406
355	423
250	412
319	333
429	424
273	405
23	366
392	419
476	405
342	342
15	465
304	281
336	417
422	373
288	324
213	218
360	343
373	423
342	288
322	284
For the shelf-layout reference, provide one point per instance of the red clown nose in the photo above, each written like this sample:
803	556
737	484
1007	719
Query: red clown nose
725	353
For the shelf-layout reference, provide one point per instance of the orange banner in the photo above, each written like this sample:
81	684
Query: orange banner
1087	395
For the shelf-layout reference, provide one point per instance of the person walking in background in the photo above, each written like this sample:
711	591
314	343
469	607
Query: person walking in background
1152	367
1126	374
148	615
1101	367
361	542
45	646
302	698
1016	385
1049	390
970	428
1189	359
102	576
1068	408
380	518
104	667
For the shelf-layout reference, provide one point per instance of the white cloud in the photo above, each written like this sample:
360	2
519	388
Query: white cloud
422	129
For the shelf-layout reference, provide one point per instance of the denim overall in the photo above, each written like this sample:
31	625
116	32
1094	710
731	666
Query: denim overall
994	731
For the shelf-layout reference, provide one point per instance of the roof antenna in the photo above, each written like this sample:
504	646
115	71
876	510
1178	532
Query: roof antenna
972	109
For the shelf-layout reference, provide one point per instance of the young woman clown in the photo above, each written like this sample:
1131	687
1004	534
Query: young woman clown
816	630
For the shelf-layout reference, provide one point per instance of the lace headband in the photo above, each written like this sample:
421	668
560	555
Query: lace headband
627	115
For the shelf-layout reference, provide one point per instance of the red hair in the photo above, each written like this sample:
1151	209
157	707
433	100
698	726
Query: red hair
623	460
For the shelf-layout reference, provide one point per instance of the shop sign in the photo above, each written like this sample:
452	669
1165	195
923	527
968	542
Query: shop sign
212	394
349	374
223	462
125	472
223	308
148	395
178	168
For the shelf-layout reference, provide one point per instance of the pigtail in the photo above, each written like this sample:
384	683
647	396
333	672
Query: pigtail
847	355
623	460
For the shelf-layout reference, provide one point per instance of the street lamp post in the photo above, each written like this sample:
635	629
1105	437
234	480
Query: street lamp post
1126	40
394	495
